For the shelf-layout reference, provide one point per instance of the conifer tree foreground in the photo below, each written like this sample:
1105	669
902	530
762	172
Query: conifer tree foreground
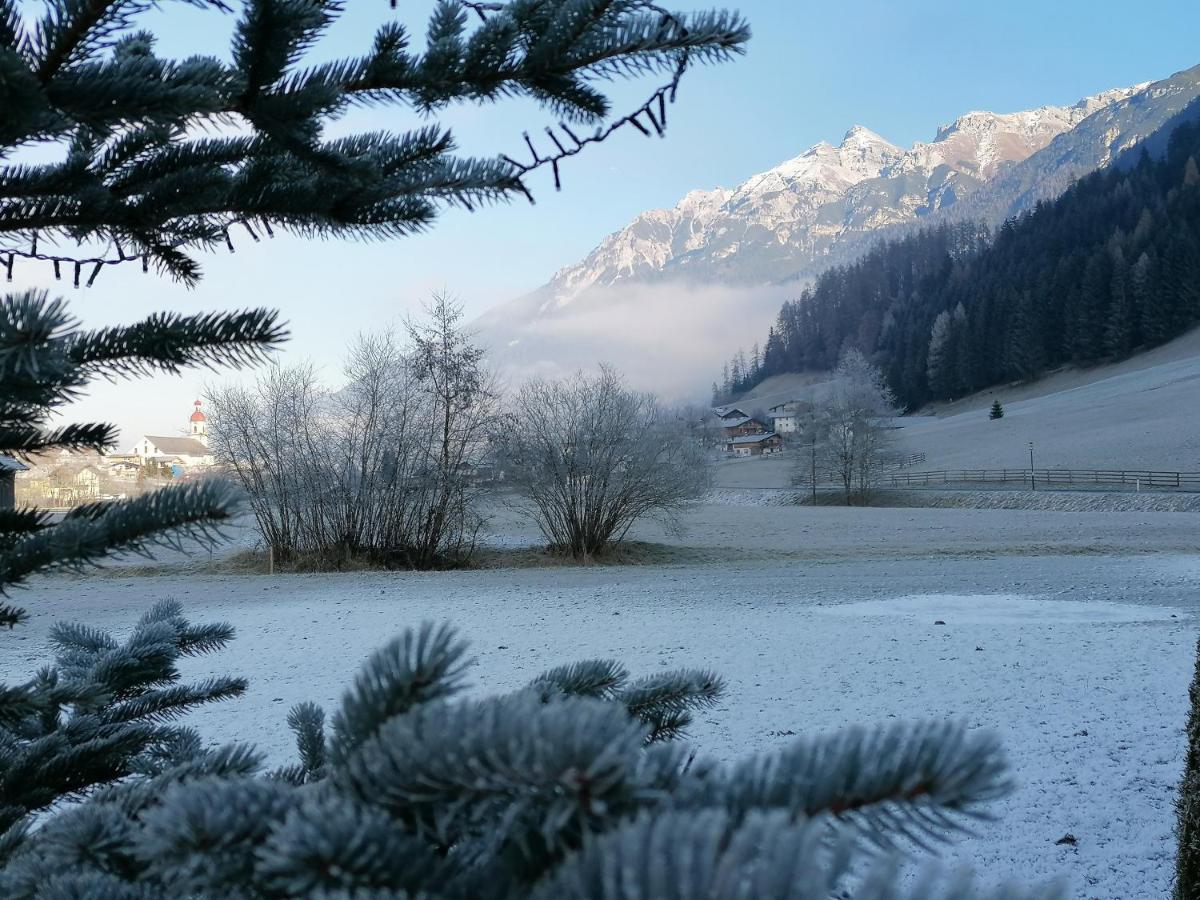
572	787
162	159
997	410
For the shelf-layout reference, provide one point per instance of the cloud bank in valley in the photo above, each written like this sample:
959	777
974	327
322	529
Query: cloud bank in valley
671	338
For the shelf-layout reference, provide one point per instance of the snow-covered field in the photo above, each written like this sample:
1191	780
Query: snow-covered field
1136	414
1062	631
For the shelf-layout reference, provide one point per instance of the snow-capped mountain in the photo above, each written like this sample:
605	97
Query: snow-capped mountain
821	207
778	223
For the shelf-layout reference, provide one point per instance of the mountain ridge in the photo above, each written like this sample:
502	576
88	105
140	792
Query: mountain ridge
823	207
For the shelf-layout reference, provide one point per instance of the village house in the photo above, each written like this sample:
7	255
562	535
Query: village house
726	413
87	483
743	426
764	444
785	417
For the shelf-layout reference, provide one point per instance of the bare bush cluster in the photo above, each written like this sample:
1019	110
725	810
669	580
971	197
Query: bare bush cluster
383	469
591	457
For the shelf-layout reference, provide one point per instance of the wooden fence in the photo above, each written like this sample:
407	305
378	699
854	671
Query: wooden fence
891	463
1119	478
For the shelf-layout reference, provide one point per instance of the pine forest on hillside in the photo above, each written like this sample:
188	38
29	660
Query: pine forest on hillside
1110	267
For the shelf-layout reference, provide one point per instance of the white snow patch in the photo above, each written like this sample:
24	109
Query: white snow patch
1000	609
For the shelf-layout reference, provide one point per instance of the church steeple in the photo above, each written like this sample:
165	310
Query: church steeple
199	425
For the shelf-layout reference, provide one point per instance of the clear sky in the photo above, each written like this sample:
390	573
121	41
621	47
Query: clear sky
812	70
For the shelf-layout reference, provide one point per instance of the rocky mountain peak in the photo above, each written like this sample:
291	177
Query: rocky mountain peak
816	208
859	136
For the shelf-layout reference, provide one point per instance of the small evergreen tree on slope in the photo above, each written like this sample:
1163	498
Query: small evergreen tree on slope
997	410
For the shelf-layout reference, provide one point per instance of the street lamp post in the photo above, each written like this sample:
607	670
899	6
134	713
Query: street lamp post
1032	473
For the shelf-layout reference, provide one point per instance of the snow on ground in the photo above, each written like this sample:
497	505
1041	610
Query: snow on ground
1136	414
960	497
1061	631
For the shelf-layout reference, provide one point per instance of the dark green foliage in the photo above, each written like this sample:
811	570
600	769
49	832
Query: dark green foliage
663	702
104	711
1110	267
997	410
1187	805
557	790
151	169
46	360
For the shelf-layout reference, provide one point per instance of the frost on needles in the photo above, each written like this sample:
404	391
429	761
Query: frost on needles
576	786
572	787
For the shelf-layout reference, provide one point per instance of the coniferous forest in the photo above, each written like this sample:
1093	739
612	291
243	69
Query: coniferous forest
1110	267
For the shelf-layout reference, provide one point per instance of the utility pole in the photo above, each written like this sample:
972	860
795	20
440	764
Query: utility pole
1032	473
813	441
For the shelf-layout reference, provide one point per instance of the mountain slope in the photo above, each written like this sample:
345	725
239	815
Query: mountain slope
1110	267
1095	142
822	207
777	224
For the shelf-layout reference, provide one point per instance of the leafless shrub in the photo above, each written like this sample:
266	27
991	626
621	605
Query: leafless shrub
591	457
848	431
382	469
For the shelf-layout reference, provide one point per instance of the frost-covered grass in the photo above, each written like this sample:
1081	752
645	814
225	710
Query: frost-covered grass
819	618
1052	500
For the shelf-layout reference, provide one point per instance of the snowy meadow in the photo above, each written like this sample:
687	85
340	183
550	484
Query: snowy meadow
1061	631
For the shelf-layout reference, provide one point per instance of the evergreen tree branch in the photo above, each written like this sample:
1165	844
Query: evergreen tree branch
169	342
599	678
168	703
166	517
513	765
307	721
679	856
918	781
328	844
155	193
416	668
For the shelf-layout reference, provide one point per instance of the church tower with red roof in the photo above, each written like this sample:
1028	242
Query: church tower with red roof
199	425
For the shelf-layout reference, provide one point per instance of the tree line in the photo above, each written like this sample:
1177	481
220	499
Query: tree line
1109	268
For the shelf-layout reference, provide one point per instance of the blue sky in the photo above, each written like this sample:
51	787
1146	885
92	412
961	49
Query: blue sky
812	70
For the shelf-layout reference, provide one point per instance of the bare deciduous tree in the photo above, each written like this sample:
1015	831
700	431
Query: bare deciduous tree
381	469
592	457
848	428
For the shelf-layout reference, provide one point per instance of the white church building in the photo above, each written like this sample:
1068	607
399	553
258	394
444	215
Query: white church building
190	450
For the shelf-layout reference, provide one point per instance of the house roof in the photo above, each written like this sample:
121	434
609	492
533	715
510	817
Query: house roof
177	446
728	412
737	423
752	438
791	407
